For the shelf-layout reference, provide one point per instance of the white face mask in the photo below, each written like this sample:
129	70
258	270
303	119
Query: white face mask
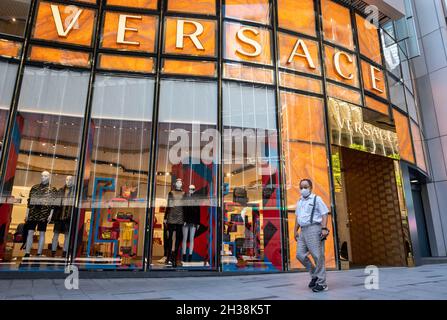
305	192
178	185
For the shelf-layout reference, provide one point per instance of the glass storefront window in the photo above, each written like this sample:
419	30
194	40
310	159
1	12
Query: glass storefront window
14	14
184	222
141	4
236	49
337	26
112	218
207	7
298	16
368	37
248	10
8	73
305	157
38	190
251	212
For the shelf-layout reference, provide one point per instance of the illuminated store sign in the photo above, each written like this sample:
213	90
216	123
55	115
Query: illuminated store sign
135	32
350	129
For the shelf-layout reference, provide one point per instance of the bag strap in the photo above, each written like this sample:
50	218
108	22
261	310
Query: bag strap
313	210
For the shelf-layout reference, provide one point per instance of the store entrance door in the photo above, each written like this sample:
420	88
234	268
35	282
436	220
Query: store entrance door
370	215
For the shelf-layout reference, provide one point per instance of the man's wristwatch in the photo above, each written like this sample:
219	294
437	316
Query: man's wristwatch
325	229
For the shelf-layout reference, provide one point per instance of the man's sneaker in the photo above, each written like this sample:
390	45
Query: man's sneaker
313	283
320	288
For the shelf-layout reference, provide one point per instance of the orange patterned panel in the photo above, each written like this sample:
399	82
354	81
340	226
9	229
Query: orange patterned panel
418	147
81	34
247	73
297	16
337	27
377	105
233	45
207	39
305	160
302	117
250	10
143	4
347	68
142	38
10	48
59	56
287	45
194	68
368	39
403	135
369	73
344	94
126	63
294	81
196	6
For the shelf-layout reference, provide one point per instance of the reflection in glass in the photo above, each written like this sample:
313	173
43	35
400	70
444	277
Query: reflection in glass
252	223
8	73
38	190
13	16
112	217
184	221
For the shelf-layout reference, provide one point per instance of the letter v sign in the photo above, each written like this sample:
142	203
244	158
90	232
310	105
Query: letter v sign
58	21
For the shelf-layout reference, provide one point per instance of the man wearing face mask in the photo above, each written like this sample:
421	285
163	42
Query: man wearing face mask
311	218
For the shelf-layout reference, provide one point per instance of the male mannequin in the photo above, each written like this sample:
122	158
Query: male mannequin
62	215
39	211
192	222
174	219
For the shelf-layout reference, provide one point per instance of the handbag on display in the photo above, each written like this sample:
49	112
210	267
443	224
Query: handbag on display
126	250
240	195
19	235
124	216
108	233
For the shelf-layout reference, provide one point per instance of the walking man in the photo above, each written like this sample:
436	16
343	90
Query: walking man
311	218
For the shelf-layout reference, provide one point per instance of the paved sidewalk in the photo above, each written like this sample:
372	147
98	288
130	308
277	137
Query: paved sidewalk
426	282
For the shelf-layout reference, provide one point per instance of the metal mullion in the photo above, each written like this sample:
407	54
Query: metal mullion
59	45
83	149
319	24
150	212
73	3
301	92
297	34
355	36
299	73
284	234
55	66
11	37
220	129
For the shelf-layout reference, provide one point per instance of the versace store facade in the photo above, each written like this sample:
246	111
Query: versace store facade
117	115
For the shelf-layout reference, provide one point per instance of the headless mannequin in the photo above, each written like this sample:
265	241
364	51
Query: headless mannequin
39	212
62	221
174	219
192	223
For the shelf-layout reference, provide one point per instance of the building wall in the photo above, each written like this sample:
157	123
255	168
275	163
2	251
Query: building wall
430	71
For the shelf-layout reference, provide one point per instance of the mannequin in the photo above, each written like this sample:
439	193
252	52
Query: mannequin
39	211
174	219
192	222
62	215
